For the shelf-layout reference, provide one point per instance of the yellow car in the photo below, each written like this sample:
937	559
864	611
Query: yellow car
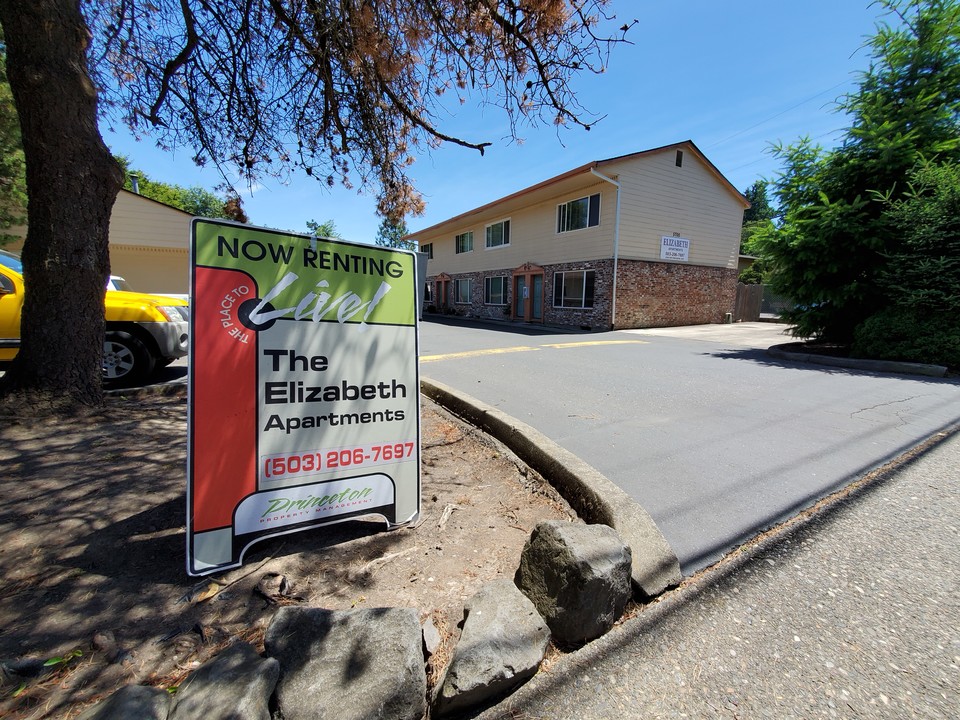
143	333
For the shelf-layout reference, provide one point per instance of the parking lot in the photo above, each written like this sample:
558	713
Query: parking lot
715	438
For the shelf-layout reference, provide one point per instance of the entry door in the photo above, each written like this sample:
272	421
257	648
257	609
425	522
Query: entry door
520	297
528	297
442	294
536	307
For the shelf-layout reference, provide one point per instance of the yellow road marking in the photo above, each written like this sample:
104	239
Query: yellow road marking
598	342
476	353
525	348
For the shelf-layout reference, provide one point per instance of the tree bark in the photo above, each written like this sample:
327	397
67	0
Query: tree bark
72	183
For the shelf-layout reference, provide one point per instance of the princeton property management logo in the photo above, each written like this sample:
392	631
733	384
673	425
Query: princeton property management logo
309	503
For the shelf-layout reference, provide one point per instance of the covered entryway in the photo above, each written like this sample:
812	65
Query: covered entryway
528	293
443	291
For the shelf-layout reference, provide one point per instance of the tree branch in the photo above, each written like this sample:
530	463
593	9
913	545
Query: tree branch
176	63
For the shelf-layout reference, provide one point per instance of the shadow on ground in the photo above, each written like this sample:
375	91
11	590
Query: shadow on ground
93	561
762	357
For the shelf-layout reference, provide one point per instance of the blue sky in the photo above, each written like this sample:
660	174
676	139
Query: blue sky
733	77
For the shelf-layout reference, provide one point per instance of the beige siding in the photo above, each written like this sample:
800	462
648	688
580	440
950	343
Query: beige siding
149	244
660	199
533	235
138	221
152	270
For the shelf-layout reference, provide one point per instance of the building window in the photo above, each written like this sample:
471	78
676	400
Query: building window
461	291
498	234
464	242
573	289
428	249
578	214
495	290
428	292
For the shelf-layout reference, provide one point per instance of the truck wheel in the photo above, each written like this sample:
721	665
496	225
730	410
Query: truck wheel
126	360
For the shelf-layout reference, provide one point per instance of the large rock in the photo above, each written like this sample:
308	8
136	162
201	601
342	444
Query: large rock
350	664
131	701
234	685
578	577
502	644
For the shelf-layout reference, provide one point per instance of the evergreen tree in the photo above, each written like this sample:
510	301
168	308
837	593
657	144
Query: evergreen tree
834	241
922	282
757	217
326	229
391	234
924	274
760	209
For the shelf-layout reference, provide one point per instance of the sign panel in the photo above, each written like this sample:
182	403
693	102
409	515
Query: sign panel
304	388
674	248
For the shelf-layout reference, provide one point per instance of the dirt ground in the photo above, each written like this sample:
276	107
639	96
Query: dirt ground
95	593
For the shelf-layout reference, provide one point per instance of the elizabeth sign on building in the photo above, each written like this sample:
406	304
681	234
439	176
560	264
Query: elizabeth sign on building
304	388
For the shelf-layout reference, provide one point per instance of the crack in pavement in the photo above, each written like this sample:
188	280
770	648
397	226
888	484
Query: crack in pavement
886	404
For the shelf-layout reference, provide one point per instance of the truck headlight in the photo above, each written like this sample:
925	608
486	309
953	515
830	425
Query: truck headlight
174	313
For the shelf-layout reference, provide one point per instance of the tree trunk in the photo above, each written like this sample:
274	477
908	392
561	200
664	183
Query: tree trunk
72	183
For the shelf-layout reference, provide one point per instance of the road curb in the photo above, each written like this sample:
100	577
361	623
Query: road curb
575	666
884	366
595	498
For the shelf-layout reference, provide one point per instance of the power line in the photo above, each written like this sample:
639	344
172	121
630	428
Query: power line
774	117
760	159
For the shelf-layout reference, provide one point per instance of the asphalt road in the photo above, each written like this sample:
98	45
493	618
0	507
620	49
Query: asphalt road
716	440
851	612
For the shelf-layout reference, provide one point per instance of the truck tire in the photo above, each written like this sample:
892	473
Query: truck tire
126	360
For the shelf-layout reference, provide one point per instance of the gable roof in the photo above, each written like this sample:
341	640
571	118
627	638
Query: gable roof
685	144
135	196
584	170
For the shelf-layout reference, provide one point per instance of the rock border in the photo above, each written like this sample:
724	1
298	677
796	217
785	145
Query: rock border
371	663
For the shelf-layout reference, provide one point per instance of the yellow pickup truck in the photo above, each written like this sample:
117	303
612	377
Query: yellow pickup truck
144	332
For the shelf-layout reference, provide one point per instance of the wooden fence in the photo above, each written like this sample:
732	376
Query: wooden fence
747	308
756	301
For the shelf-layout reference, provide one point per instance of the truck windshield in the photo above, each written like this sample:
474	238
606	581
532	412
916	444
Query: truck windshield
11	261
115	282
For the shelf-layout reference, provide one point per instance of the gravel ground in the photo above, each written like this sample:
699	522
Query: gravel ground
851	611
92	561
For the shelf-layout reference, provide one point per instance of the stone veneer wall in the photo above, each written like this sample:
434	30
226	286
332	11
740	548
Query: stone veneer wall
595	318
653	294
476	308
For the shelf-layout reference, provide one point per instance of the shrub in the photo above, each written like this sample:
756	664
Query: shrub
751	275
904	334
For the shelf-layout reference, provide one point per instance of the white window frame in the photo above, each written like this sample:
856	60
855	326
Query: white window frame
564	214
558	298
467	238
457	284
428	249
504	290
505	231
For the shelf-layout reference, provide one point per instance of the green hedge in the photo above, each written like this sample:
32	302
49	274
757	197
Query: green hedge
911	336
